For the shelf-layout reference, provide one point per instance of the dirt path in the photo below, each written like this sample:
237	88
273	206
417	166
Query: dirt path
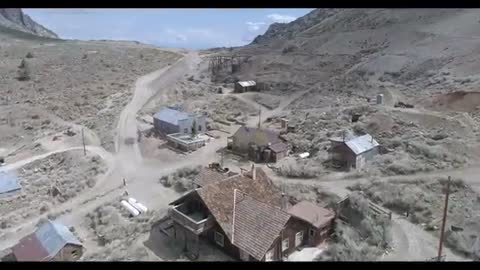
410	241
105	155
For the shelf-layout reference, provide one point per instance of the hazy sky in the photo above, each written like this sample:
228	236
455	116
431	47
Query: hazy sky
185	28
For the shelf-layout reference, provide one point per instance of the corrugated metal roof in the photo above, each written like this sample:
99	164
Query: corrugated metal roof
247	83
171	116
8	182
361	144
54	236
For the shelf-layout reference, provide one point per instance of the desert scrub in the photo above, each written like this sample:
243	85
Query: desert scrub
423	200
24	71
182	179
364	238
292	168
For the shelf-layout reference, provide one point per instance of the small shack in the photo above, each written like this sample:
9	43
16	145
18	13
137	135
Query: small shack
260	145
319	220
8	182
52	241
353	152
245	86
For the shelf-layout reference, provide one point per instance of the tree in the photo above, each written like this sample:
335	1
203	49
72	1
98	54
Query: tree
194	128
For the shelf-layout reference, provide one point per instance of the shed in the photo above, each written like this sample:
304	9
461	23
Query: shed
353	152
279	151
319	219
245	86
8	182
51	241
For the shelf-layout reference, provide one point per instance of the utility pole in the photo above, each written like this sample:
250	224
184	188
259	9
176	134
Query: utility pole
442	232
221	158
83	140
259	116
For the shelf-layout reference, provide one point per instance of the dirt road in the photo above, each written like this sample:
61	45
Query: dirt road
142	175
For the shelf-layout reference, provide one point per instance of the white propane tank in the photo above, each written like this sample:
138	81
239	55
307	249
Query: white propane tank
130	208
304	155
137	205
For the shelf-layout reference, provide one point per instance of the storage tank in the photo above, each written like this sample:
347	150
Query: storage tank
380	99
140	207
130	208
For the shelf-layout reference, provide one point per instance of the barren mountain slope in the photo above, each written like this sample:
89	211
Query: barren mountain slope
418	51
14	18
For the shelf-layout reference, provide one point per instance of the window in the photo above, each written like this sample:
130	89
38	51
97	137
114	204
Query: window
298	239
199	128
311	232
185	130
74	253
284	244
269	256
219	239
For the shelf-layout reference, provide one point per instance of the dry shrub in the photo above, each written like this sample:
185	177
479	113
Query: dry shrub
364	239
182	179
303	168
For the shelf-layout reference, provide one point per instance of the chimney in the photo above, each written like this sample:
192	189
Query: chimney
254	172
283	204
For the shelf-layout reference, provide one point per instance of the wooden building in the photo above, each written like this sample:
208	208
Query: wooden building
245	216
245	86
259	145
353	152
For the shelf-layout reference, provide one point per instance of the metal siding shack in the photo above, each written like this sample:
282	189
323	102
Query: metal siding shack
245	86
354	152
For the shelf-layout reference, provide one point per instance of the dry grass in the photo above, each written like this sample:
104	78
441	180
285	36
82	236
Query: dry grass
69	174
118	234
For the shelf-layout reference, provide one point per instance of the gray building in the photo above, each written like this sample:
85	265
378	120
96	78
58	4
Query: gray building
169	121
353	152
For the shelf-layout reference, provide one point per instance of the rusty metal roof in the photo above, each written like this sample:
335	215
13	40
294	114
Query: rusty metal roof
257	225
29	248
312	213
54	236
45	242
218	197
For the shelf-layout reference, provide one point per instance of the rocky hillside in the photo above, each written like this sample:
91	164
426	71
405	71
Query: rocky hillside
410	52
15	19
